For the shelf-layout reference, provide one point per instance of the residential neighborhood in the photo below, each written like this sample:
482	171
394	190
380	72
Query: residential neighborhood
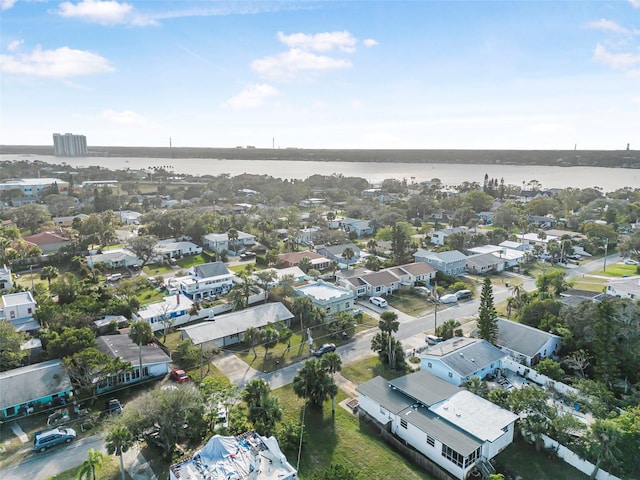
236	324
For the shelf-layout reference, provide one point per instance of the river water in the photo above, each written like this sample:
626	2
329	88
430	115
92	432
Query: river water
609	179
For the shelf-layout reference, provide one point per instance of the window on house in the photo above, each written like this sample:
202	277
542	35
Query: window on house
403	423
450	375
429	365
431	441
453	456
382	410
472	458
29	311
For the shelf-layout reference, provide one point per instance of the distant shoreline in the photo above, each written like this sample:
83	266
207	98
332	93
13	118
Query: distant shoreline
568	158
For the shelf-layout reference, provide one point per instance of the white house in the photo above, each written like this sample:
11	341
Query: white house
526	344
206	281
173	310
370	284
31	188
459	359
6	282
19	309
116	258
510	257
452	263
155	363
330	298
228	329
438	237
411	273
175	249
624	288
455	429
219	242
246	457
129	217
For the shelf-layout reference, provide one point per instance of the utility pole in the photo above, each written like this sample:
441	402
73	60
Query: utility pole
606	246
435	312
31	274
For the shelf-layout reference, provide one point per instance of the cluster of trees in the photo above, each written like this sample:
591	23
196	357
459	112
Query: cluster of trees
388	347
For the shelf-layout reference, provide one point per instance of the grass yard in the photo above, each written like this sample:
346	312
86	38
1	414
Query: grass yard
409	303
590	283
342	439
110	470
150	295
521	460
157	268
618	270
366	369
189	262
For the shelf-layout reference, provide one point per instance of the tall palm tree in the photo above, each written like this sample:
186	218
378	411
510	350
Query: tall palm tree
254	391
302	306
603	444
90	465
348	254
332	363
389	324
141	334
269	338
251	337
118	441
232	235
264	278
265	414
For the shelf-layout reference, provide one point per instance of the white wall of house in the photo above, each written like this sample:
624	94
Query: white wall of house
374	409
441	370
491	449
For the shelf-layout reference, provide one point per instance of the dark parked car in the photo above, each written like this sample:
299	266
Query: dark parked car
247	255
326	348
113	406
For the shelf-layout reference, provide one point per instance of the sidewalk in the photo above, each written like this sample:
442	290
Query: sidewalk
136	465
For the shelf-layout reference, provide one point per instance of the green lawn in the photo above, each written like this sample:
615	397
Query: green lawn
409	303
342	439
590	283
366	369
522	461
618	270
157	268
150	295
189	262
110	470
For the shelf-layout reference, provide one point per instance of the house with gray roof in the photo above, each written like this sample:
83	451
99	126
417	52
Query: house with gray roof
370	284
458	359
438	237
228	329
455	429
19	309
411	273
155	362
39	385
526	344
334	252
452	262
205	281
484	263
219	242
116	258
330	298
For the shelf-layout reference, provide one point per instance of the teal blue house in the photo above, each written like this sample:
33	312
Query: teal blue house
40	385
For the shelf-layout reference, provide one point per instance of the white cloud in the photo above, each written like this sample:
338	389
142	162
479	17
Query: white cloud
635	3
615	60
370	42
287	63
14	45
62	62
124	117
607	25
320	42
636	99
108	12
7	4
252	97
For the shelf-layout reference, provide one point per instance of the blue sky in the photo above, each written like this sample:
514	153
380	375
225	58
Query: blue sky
326	74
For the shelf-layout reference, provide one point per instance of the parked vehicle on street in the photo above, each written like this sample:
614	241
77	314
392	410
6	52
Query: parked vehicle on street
326	348
49	438
462	294
630	261
113	406
114	277
379	301
179	375
449	298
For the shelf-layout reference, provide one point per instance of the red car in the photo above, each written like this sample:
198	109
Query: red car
179	375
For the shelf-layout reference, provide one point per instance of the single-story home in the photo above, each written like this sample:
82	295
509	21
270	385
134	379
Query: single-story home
155	362
42	384
484	263
411	273
19	310
219	242
176	249
228	329
452	262
328	297
334	252
116	258
49	242
454	428
458	359
292	259
526	344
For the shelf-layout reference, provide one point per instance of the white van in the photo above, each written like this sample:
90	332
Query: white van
449	298
114	277
432	339
379	301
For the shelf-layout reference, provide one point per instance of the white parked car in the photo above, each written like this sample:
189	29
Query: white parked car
379	301
630	261
449	298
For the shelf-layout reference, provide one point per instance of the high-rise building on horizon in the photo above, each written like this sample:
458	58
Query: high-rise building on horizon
69	145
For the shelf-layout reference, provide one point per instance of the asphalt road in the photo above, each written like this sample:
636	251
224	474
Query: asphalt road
40	466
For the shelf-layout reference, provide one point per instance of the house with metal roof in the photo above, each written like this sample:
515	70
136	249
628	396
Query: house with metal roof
459	359
526	344
455	429
155	362
39	385
228	329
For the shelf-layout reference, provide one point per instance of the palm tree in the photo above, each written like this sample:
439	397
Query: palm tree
372	245
251	337
269	337
265	414
232	235
254	391
332	363
118	441
448	329
264	278
603	444
302	306
389	324
331	216
89	466
314	383
348	254
141	334
477	386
